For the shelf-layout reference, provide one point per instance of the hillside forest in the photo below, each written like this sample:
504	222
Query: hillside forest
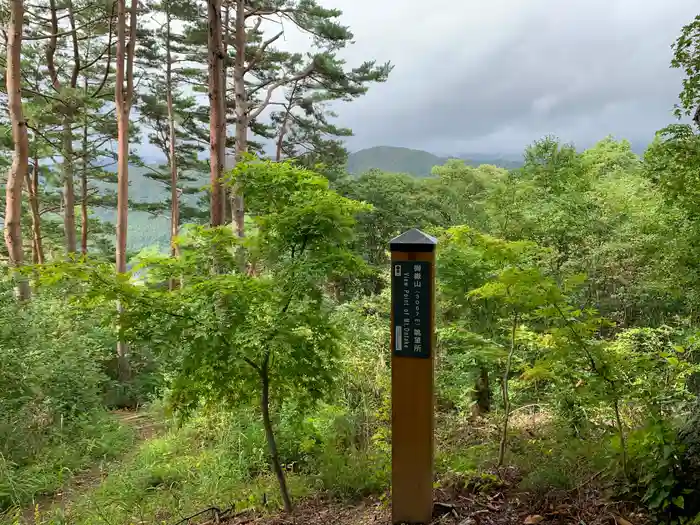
239	371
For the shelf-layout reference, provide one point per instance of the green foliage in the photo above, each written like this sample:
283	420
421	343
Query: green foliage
657	455
687	58
51	372
396	205
67	448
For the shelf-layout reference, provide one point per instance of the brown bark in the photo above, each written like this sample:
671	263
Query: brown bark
217	122
67	146
241	109
20	159
68	189
172	138
481	394
33	191
83	213
84	185
270	435
124	92
174	197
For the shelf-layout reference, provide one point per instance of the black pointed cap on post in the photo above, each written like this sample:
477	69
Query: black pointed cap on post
413	241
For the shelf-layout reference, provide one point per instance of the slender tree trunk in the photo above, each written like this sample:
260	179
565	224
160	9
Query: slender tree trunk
172	153
506	397
217	122
67	145
621	432
83	212
482	393
68	189
175	207
123	98
84	186
270	435
285	122
33	190
229	193
20	159
241	109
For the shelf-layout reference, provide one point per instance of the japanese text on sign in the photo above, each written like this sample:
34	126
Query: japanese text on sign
412	307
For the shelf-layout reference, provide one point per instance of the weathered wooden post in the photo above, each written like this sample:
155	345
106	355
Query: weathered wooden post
412	391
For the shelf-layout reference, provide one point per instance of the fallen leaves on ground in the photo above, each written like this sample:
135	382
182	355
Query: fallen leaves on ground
464	502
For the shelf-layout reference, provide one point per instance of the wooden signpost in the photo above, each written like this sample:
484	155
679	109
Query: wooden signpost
412	389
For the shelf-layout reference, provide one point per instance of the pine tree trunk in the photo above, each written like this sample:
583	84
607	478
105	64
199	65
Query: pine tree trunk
68	188
217	122
20	159
84	187
175	200
241	112
123	98
172	138
33	190
269	434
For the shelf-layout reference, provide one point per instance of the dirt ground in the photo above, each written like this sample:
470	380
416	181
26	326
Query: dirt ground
458	504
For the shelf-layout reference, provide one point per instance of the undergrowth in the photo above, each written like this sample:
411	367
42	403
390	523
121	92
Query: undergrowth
68	449
219	458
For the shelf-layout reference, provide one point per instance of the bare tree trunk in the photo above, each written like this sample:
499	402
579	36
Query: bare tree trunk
285	121
217	122
123	99
84	187
67	146
33	190
506	397
482	393
68	189
175	208
20	159
229	192
172	138
270	435
241	108
621	432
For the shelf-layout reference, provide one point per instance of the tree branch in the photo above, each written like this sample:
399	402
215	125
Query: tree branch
63	33
109	56
259	53
306	72
131	50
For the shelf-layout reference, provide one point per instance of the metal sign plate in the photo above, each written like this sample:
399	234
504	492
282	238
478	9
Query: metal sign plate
412	307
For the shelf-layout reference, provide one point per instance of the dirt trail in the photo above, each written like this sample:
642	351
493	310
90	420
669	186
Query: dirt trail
91	477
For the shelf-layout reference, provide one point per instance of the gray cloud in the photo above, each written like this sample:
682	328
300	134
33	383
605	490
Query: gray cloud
493	75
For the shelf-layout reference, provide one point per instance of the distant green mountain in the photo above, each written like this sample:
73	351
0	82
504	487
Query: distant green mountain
147	229
393	159
416	162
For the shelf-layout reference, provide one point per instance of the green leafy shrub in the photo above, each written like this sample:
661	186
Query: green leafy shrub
657	455
50	374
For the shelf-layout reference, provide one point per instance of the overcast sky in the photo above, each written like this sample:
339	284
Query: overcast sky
494	75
